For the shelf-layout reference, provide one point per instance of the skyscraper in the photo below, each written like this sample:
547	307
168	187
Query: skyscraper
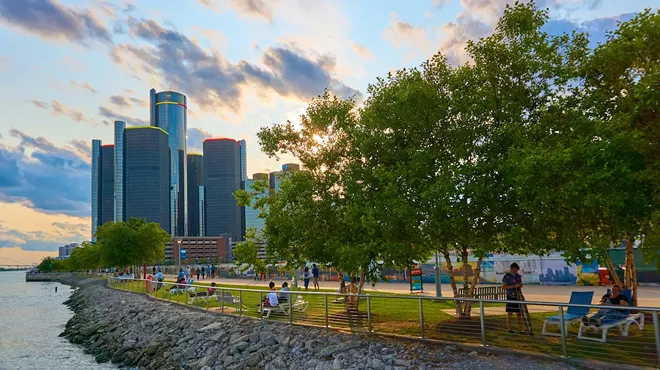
147	175
195	167
169	112
119	170
222	177
243	145
107	192
275	178
252	219
96	186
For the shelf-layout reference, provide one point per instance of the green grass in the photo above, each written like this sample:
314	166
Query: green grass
400	316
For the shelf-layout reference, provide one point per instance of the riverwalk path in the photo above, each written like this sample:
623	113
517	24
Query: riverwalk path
648	296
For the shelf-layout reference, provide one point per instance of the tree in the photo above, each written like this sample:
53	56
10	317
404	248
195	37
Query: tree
135	242
246	253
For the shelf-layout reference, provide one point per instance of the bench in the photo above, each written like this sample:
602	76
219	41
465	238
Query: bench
490	292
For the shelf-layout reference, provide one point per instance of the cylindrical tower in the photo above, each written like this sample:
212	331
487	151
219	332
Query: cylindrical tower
170	114
119	170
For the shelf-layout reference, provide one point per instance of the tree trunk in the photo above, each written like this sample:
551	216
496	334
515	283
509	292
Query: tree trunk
452	279
361	284
473	288
614	277
465	264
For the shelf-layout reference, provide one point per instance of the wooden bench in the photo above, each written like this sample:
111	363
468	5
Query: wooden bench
488	292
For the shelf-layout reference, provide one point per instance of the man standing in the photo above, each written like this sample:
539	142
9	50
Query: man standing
512	282
315	276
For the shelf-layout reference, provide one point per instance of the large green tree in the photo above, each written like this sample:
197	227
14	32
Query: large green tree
135	242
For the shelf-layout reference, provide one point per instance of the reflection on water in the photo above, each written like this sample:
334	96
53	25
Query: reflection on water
31	318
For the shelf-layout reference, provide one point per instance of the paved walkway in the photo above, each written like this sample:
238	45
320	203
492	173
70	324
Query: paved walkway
648	296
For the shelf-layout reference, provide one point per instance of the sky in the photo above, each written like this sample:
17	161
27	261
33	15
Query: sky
69	68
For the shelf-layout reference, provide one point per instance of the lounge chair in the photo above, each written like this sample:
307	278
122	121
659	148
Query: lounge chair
572	314
226	298
623	324
282	308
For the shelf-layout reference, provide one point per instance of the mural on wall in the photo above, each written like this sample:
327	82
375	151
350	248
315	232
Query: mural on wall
587	274
529	269
557	272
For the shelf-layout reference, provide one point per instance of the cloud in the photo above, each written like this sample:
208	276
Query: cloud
44	176
137	101
596	28
362	51
248	8
83	148
114	116
51	20
214	83
196	137
58	108
83	85
119	101
38	104
440	3
401	33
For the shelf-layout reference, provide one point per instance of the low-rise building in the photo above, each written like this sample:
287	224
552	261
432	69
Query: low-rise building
198	249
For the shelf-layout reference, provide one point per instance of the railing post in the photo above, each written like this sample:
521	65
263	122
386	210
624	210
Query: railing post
421	318
289	299
482	323
208	299
240	303
261	302
656	329
325	309
562	331
368	312
222	301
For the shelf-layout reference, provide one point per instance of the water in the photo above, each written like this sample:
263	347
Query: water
31	318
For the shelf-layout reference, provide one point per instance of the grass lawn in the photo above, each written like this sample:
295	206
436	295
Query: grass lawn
401	316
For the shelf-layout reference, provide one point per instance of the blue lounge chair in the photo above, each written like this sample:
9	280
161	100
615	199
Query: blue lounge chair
572	313
623	324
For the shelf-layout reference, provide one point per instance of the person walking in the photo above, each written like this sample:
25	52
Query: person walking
203	272
198	271
306	276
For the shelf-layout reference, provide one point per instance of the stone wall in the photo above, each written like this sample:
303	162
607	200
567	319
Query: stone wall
137	331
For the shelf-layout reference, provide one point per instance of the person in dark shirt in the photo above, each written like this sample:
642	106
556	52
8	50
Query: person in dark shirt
315	276
605	315
512	282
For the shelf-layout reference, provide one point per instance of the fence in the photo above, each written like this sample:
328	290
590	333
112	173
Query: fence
491	292
635	342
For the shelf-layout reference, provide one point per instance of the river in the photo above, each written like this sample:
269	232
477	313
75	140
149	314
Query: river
31	318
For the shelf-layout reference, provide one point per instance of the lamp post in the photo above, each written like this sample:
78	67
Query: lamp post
179	258
438	277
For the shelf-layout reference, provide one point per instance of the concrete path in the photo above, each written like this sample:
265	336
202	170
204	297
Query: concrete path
648	296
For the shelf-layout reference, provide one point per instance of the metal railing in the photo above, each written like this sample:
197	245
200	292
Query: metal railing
634	342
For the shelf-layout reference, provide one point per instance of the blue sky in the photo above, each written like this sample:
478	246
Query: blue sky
70	67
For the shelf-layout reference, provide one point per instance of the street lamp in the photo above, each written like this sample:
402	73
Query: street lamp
179	259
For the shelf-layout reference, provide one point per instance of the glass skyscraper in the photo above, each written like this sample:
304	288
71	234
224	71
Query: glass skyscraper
222	177
195	168
147	175
169	112
107	211
243	145
252	219
119	170
96	185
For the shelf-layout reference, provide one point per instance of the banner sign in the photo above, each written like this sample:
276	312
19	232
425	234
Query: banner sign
416	280
184	254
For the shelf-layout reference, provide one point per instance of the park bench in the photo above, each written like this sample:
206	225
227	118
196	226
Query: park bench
489	292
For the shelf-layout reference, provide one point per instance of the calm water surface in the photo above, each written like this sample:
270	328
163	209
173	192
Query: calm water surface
31	318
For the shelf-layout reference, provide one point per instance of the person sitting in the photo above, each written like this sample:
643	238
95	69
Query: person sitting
284	293
271	298
605	315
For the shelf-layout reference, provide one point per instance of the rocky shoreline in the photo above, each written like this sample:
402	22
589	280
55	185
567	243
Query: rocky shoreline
135	331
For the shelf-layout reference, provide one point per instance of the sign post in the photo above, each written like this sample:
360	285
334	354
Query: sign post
416	280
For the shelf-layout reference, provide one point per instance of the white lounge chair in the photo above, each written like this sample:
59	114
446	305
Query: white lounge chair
623	325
